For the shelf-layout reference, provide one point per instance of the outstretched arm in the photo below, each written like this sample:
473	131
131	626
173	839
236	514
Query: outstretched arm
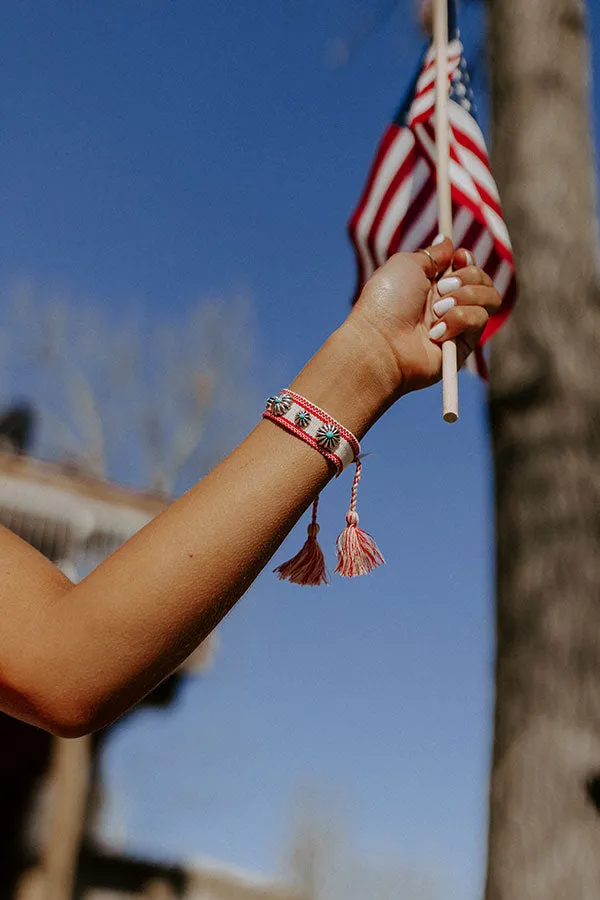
75	657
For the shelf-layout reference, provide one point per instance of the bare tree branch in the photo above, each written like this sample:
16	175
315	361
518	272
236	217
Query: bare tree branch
120	394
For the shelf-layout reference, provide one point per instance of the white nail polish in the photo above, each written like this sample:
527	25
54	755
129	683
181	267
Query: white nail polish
442	306
438	240
438	331
446	285
470	257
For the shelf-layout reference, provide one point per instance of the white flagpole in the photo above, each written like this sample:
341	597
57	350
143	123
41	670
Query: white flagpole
444	197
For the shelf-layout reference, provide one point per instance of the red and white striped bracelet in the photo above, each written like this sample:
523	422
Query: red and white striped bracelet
357	552
314	426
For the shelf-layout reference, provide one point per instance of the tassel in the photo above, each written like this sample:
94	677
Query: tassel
358	553
308	566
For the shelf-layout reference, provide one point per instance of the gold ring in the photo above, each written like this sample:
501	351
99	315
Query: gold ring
433	260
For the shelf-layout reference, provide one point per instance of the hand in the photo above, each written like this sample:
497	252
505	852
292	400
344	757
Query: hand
408	297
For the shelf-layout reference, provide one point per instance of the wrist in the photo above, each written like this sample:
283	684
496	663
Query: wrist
351	378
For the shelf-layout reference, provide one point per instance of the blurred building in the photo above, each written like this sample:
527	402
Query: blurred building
119	878
50	788
144	881
66	514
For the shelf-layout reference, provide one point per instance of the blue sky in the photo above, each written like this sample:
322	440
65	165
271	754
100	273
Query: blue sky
157	152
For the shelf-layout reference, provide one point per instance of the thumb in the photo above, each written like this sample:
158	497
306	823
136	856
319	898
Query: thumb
436	259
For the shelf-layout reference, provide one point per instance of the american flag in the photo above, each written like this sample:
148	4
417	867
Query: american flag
398	207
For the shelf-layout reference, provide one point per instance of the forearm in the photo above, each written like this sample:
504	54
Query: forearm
144	609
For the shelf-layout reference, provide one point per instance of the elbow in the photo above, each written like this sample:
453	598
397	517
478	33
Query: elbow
76	713
70	724
66	718
67	701
60	718
61	708
67	704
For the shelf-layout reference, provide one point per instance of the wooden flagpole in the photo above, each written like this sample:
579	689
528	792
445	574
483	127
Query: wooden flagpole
444	196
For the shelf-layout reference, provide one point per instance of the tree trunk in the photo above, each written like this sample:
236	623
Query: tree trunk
544	841
70	780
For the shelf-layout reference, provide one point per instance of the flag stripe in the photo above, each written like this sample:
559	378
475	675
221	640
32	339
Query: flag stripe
404	173
398	151
423	226
398	207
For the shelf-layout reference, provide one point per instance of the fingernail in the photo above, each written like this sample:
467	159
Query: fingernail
470	257
438	331
442	306
438	240
446	285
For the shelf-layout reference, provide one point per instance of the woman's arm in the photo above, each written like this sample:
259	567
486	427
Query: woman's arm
75	657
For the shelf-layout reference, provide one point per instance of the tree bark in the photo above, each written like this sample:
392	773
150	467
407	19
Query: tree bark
70	779
544	840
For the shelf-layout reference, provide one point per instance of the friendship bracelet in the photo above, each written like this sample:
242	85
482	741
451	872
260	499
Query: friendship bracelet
312	425
357	552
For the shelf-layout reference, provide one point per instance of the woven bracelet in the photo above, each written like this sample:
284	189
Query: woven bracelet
357	552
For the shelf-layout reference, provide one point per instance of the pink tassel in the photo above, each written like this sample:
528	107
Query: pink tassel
358	554
308	566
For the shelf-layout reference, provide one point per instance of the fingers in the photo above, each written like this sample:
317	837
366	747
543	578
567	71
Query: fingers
463	322
463	258
437	258
470	295
468	275
470	286
462	301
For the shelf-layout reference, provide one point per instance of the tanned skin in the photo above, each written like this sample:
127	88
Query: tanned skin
74	657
